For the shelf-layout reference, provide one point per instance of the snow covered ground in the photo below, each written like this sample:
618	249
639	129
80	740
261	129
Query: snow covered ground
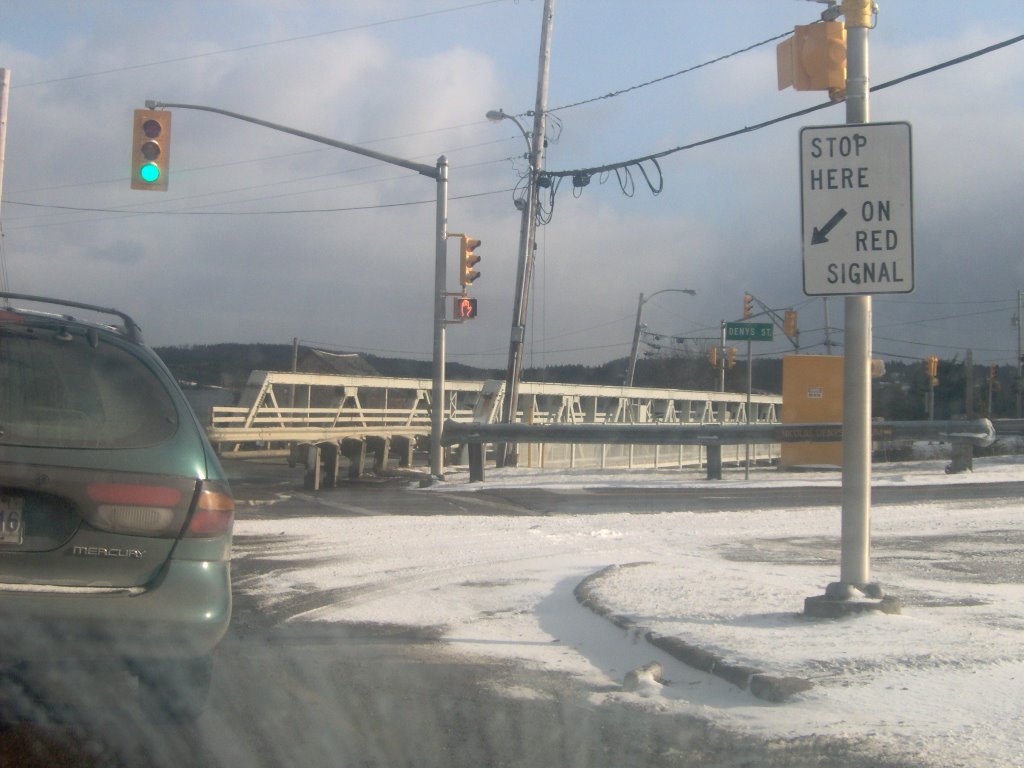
941	683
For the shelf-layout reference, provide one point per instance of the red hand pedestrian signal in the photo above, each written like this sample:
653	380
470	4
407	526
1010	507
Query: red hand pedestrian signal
465	308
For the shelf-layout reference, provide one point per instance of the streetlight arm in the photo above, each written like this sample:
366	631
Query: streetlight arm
688	291
631	368
497	115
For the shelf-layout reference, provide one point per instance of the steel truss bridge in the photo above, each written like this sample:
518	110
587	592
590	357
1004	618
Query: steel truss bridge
354	416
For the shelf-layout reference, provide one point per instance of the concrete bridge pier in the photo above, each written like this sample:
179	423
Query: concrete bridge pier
354	450
322	462
380	447
403	446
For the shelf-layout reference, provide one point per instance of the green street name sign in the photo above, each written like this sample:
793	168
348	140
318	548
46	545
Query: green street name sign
748	331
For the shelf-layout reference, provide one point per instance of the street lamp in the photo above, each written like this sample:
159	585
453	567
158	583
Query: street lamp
631	370
524	272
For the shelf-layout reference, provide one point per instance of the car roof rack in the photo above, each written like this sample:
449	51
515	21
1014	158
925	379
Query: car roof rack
131	328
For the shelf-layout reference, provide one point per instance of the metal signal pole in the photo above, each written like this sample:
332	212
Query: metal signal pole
855	567
1020	352
5	88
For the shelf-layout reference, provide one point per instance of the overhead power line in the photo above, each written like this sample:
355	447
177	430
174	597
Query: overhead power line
253	213
265	44
581	177
663	78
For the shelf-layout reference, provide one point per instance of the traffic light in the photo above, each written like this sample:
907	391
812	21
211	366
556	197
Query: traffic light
993	369
151	149
814	58
748	306
789	323
467	259
713	356
730	357
932	362
465	308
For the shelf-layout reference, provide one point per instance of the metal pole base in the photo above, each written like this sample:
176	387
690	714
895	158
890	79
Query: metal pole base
842	599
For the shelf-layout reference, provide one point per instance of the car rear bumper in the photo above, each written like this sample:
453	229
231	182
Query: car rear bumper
185	612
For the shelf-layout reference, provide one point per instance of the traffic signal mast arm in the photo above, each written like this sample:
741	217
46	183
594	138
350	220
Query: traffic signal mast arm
426	170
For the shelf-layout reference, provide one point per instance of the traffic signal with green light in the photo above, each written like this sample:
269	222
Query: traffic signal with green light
468	259
151	149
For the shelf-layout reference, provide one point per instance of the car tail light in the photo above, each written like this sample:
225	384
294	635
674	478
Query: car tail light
143	510
214	511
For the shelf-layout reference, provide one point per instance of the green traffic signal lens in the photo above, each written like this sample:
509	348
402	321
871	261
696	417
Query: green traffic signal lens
150	173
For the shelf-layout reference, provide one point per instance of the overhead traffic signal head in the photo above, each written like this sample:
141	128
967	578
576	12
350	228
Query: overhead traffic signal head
713	356
814	58
789	323
730	357
151	149
748	306
468	259
932	362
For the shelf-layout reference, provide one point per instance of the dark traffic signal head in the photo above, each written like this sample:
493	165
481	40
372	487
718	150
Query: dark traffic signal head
789	326
151	149
814	59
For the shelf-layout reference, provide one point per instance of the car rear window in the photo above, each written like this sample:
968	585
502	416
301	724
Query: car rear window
62	389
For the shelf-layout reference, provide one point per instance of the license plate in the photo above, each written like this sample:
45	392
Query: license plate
12	520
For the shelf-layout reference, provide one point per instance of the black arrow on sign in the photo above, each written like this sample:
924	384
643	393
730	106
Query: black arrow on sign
819	236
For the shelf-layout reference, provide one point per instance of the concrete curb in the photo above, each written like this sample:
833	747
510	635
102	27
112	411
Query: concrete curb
764	686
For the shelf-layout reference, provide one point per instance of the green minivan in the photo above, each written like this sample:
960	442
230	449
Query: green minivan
115	514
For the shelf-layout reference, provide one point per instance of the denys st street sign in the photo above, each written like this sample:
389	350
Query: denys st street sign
748	331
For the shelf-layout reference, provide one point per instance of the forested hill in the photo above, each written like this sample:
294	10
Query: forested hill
229	365
899	394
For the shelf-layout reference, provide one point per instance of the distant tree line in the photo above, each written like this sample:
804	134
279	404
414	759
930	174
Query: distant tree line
900	394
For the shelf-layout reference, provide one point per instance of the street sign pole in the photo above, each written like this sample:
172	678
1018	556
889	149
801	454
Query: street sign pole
855	569
750	386
854	585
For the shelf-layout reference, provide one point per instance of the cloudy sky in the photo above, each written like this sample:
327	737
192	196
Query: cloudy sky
264	236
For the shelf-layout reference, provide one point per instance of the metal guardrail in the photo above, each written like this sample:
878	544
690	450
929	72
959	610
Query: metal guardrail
979	432
1008	426
974	432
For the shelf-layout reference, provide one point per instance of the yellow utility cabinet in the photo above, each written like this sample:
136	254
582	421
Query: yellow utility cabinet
812	393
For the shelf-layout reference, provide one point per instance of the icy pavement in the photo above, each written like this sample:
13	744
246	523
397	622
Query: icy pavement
942	683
